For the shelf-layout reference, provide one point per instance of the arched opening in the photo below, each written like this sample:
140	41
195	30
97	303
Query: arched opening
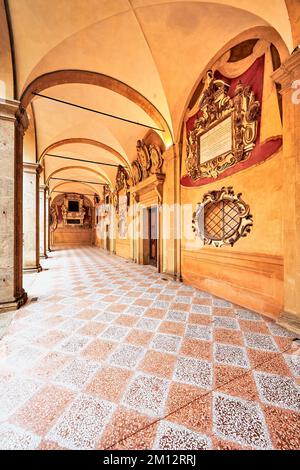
210	164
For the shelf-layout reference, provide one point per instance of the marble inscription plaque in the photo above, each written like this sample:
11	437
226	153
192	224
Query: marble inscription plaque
217	141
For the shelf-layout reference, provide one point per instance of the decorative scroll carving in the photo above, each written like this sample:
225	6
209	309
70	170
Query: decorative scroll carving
215	106
114	198
122	223
61	215
122	179
53	218
156	159
149	161
143	157
158	186
73	215
222	218
136	172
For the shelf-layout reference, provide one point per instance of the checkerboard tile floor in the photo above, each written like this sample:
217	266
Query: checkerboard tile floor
113	356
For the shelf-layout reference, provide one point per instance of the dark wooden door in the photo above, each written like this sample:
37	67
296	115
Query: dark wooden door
153	235
107	238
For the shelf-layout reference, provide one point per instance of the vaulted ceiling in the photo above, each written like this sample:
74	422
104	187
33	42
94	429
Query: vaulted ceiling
154	50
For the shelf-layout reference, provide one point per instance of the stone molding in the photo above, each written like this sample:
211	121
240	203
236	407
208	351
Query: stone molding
29	167
288	72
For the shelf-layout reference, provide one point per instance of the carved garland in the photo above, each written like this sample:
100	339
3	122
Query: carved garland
222	218
122	182
215	106
122	179
149	161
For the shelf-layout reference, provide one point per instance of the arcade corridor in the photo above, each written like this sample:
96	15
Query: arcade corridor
109	354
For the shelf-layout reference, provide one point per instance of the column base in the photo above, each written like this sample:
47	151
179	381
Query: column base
172	276
34	269
44	256
14	304
290	321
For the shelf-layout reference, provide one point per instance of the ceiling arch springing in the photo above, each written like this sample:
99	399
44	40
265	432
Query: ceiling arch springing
134	58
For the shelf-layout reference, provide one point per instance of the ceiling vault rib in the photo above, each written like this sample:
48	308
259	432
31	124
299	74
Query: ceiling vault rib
77	181
82	160
98	112
72	192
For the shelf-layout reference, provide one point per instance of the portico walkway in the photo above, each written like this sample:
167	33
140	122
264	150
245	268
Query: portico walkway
109	354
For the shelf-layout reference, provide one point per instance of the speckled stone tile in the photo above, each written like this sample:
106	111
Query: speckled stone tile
225	322
123	424
113	357
284	427
15	438
260	341
158	363
81	425
171	436
76	374
230	354
126	355
115	332
147	394
176	315
41	411
293	363
194	371
199	332
277	390
196	348
109	383
14	392
166	343
241	421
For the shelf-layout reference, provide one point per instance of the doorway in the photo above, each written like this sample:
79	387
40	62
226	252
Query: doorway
107	237
152	218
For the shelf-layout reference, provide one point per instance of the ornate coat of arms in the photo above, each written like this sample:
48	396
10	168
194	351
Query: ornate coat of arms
215	106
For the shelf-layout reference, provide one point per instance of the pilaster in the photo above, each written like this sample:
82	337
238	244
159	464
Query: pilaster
286	76
14	123
43	212
31	252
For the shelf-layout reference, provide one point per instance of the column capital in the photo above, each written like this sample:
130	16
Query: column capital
22	121
44	187
170	153
30	167
8	109
11	110
288	72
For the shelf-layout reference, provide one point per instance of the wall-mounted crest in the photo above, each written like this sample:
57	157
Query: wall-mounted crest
149	161
224	131
156	159
136	172
143	157
222	218
122	179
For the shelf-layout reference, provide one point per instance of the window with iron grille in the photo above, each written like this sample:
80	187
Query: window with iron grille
222	218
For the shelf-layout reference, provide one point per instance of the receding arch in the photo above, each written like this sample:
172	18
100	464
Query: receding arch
82	140
261	32
60	185
64	77
7	63
72	167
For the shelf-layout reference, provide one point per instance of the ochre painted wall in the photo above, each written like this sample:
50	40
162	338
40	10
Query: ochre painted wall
250	273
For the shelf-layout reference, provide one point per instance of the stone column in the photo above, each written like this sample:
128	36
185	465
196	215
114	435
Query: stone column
31	250
287	75
171	223
47	230
43	247
13	124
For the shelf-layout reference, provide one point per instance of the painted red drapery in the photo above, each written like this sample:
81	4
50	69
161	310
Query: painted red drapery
252	77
